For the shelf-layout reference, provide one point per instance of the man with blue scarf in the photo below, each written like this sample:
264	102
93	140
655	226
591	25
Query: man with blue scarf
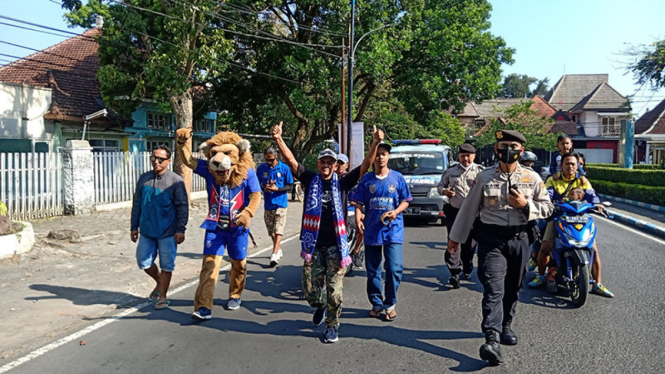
325	247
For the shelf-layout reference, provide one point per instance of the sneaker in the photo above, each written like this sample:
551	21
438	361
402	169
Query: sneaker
465	276
274	259
599	289
533	264
358	259
538	281
280	253
330	335
202	314
454	281
233	303
319	315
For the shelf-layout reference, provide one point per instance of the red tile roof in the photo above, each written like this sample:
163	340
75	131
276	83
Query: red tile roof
653	121
542	106
69	68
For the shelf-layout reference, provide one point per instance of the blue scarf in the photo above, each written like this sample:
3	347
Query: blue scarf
312	220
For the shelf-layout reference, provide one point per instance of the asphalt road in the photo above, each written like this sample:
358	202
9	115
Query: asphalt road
437	330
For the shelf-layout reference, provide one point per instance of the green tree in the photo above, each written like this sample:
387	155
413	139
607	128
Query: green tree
160	50
523	118
542	86
517	86
648	64
423	55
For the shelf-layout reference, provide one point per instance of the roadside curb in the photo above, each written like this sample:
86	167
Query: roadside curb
638	223
633	202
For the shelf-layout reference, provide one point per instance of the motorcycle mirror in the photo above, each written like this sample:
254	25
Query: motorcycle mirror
606	203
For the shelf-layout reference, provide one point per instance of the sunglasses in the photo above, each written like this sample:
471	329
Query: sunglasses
158	159
270	160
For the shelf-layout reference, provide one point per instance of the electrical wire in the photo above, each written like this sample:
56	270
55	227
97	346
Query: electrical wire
302	45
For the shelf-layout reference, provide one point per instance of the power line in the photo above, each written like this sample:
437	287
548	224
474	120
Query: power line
302	45
30	29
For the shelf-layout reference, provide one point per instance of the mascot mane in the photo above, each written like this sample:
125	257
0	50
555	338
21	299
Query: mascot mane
245	159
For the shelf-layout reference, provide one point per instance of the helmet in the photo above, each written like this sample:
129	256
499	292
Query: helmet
528	156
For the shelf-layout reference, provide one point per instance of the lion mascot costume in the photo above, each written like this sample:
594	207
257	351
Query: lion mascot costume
233	196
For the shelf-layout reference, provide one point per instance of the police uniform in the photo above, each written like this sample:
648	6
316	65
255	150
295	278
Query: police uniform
503	244
461	180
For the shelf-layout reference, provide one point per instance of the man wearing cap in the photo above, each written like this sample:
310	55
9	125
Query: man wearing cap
276	180
342	164
456	183
325	247
507	197
385	195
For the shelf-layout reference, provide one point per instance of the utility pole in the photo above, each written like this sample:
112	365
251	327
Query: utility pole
350	106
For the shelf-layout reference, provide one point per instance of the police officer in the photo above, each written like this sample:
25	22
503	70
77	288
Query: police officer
507	198
455	184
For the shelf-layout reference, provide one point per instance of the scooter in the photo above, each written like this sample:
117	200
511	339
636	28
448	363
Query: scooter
573	247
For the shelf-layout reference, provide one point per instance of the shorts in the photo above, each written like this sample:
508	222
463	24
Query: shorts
235	240
550	232
275	221
148	248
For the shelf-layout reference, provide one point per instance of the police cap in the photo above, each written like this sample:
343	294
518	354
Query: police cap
466	148
509	136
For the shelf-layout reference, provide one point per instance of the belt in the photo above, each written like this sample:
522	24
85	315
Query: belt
504	231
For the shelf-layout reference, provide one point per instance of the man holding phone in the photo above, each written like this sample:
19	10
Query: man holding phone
507	197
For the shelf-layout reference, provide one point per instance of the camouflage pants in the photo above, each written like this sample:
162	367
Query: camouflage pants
322	282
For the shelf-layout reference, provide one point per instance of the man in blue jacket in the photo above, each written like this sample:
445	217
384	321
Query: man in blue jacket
161	210
276	179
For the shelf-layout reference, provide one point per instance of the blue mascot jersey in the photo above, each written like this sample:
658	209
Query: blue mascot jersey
379	196
223	200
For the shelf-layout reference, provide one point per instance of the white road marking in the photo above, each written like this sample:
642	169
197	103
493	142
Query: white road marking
111	319
627	228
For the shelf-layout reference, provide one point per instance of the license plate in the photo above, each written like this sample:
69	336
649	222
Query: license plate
414	210
577	219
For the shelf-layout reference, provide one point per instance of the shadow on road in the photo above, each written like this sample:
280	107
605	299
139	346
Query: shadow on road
81	296
541	298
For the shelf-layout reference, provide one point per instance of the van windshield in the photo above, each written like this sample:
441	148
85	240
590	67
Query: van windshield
417	163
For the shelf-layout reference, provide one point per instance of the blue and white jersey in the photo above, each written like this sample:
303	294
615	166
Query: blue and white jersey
281	175
380	195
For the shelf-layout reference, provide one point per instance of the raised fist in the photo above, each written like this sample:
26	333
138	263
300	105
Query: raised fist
182	135
276	131
377	134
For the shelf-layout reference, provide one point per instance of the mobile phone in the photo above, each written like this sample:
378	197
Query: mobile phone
513	188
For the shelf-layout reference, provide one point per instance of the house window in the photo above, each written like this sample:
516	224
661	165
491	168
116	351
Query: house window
204	125
610	127
104	145
159	121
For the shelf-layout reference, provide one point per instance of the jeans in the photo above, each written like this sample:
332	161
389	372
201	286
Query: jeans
394	265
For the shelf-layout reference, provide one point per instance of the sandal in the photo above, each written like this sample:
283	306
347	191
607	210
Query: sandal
375	313
154	296
162	305
391	314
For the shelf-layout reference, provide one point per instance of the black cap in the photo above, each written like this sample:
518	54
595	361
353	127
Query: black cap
509	136
466	148
386	146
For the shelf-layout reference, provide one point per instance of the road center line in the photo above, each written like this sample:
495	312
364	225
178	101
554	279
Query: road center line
49	347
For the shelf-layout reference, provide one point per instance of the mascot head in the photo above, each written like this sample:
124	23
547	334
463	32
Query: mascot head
229	157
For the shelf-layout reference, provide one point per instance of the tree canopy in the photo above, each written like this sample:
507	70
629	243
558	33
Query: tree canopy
648	64
415	56
519	86
523	118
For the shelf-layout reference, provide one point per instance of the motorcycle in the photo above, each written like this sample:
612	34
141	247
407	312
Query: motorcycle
573	247
297	193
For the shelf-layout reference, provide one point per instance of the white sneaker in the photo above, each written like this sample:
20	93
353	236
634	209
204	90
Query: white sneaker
280	253
274	259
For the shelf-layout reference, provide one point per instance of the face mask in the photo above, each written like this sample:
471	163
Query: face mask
508	155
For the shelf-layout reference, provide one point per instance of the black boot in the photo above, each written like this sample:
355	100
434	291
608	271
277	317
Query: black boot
454	281
491	350
508	337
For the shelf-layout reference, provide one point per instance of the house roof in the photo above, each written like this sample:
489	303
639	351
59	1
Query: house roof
572	88
567	127
603	97
486	108
69	68
542	106
653	121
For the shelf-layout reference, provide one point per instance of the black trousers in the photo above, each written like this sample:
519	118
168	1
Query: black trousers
501	270
462	260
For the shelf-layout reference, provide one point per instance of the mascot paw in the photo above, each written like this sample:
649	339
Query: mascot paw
182	135
242	219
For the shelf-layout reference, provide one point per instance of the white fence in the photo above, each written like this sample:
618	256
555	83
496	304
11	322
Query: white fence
31	185
116	173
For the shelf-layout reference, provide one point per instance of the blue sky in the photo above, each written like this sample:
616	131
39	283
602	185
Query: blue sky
550	37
